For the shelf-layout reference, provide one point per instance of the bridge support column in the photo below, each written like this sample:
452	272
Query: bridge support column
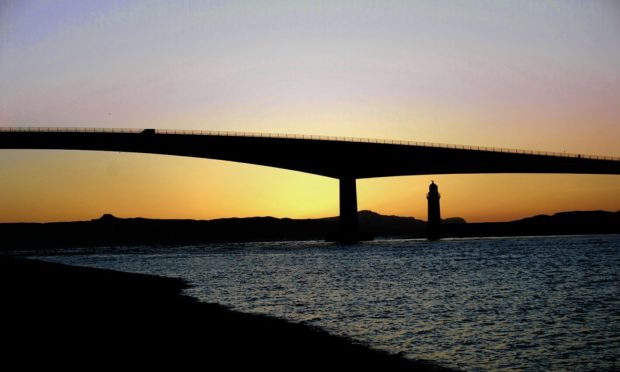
349	224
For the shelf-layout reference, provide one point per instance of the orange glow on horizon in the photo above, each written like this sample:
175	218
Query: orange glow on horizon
43	186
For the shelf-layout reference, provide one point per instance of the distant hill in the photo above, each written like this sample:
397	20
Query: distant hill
110	230
563	223
381	225
453	220
577	217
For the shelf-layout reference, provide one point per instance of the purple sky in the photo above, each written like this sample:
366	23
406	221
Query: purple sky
435	71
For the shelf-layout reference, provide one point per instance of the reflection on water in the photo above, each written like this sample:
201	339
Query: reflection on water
524	303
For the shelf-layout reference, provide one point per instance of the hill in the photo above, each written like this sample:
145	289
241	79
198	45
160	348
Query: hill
110	230
563	223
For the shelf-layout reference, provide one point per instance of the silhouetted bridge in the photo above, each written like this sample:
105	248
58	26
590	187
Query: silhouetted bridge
346	159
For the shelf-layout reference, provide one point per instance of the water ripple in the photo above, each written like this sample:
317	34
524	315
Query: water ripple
532	303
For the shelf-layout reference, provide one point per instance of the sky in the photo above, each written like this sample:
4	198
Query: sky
536	75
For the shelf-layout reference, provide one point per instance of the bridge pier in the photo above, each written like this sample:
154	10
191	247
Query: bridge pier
349	224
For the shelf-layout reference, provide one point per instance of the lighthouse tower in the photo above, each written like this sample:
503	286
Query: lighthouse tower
434	215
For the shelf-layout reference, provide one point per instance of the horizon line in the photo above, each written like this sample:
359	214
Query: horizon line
108	215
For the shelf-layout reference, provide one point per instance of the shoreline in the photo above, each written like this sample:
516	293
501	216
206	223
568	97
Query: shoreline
112	231
68	312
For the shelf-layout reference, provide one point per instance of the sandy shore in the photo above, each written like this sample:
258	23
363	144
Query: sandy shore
61	315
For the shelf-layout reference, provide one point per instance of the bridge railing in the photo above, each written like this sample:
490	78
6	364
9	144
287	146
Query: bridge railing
70	130
306	137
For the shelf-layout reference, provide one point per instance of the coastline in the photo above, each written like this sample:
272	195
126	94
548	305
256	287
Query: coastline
67	313
112	231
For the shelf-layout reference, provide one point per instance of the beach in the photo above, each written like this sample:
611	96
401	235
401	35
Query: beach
63	315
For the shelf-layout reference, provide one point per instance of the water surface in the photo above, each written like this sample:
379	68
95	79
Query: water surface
525	303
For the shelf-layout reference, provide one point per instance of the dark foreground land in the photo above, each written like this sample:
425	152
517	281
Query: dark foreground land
59	315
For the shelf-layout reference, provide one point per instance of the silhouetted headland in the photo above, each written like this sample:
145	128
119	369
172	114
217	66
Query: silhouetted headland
110	230
62	315
564	223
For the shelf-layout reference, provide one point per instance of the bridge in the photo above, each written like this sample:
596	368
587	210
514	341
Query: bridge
346	159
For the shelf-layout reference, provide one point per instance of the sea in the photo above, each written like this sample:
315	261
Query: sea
520	303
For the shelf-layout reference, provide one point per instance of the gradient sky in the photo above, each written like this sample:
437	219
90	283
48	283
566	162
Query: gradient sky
542	75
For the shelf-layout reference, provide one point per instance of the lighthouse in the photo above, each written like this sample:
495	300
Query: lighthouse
434	215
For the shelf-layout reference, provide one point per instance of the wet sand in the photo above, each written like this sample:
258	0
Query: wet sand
58	315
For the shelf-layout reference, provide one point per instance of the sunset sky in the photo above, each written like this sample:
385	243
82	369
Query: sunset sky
540	75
